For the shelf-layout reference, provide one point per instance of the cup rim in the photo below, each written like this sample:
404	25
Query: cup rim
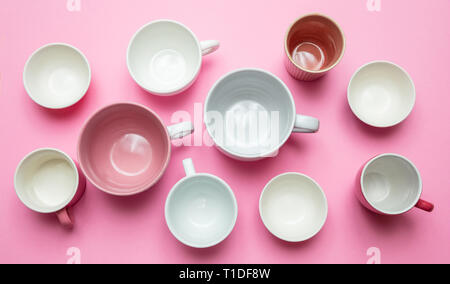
293	109
264	192
376	125
363	174
177	187
134	190
172	91
67	158
341	56
40	49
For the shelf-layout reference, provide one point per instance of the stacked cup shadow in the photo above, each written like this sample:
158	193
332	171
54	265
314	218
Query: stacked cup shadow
125	148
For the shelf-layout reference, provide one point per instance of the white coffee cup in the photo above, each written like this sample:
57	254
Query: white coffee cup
57	76
381	94
201	209
293	207
49	181
165	57
250	114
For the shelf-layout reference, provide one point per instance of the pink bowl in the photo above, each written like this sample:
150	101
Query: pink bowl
124	149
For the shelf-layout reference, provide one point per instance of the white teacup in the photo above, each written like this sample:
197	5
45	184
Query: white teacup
201	210
381	94
165	57
293	207
57	76
49	181
250	114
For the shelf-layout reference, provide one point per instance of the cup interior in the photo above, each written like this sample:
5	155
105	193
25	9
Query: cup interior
293	207
250	113
46	181
164	57
124	149
391	184
381	94
201	211
315	43
57	76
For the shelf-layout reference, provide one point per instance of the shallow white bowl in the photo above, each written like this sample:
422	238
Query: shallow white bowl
201	211
293	207
57	76
381	94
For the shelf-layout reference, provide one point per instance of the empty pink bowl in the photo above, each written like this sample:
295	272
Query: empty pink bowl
124	149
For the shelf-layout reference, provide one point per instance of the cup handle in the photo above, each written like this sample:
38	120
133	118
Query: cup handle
64	218
189	168
209	46
425	205
180	130
306	124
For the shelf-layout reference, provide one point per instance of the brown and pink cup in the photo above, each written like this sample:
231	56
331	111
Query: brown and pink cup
314	45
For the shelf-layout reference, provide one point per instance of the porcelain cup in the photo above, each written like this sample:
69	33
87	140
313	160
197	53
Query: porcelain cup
201	210
124	149
165	57
390	184
57	76
293	207
48	181
250	114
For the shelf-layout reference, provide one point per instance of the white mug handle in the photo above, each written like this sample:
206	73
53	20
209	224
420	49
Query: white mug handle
306	124
189	168
209	46
180	130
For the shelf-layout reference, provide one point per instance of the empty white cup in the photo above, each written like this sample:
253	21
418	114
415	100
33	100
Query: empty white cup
201	210
250	114
381	94
293	207
165	57
57	76
49	181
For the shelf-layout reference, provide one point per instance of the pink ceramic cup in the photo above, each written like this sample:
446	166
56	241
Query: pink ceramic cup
124	149
390	184
314	45
48	181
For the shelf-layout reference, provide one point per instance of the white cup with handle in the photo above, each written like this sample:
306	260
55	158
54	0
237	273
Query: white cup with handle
165	57
251	113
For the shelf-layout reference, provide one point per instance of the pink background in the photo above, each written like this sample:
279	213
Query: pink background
413	34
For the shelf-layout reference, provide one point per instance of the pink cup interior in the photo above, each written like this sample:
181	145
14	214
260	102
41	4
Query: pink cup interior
315	43
124	149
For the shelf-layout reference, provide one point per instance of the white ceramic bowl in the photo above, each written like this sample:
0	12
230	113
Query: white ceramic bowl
293	207
57	76
381	94
201	210
164	57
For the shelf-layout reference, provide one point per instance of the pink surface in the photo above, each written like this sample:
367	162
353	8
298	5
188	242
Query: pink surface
413	34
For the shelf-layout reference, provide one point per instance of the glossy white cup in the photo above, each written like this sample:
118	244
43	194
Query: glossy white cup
250	114
165	57
201	210
57	76
293	207
381	94
49	181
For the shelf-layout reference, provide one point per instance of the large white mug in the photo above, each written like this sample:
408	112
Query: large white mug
250	114
165	57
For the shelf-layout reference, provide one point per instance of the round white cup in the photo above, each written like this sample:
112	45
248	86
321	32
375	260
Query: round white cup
201	210
48	181
250	114
293	207
381	94
391	185
165	57
57	76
